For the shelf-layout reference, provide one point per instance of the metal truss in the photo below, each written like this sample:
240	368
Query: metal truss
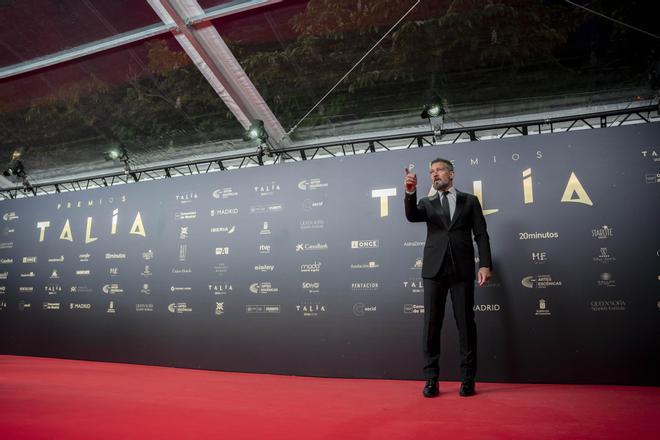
358	145
458	133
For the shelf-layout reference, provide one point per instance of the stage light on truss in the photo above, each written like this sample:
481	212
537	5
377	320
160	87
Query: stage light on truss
112	154
435	113
257	131
15	167
116	153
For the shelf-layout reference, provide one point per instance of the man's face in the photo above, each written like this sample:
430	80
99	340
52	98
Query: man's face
441	176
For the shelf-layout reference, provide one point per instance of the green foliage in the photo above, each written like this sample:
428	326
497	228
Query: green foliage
465	51
440	42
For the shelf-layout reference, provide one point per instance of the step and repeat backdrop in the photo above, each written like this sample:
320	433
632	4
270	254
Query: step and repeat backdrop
311	268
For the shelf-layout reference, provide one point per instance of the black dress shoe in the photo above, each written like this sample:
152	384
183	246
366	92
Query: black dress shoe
431	388
467	388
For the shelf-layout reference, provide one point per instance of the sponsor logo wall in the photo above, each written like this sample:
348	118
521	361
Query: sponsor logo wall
311	268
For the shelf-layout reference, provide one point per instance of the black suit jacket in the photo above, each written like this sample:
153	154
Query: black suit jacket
454	240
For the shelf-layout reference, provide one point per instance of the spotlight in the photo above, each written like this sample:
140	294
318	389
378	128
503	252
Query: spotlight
16	172
15	167
116	153
120	153
256	131
112	155
435	114
432	111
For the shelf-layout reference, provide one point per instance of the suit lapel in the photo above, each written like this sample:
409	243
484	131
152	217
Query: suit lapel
460	204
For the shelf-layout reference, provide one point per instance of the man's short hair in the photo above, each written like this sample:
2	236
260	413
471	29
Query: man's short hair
450	165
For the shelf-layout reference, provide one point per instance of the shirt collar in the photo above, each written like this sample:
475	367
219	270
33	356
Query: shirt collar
452	191
434	193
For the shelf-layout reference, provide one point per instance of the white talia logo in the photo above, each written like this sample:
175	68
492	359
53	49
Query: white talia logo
310	309
220	289
267	189
186	197
52	288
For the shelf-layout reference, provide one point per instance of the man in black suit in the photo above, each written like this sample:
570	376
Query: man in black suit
451	217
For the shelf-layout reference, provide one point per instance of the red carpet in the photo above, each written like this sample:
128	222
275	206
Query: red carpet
62	399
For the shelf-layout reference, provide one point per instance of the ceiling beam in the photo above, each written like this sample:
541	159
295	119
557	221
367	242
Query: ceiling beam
128	38
84	50
234	7
206	48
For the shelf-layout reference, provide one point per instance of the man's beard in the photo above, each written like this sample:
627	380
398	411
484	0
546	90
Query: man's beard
439	185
